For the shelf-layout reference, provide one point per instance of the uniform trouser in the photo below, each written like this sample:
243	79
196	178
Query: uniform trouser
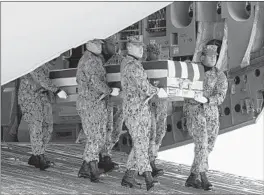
203	128
158	127
16	112
40	122
114	128
94	121
138	124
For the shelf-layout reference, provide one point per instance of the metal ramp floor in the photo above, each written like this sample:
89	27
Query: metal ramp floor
17	177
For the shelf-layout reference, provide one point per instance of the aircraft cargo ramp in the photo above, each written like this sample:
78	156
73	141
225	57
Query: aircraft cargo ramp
17	177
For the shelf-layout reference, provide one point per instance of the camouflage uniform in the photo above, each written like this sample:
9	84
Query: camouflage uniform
136	112
115	119
114	127
158	110
35	98
91	79
203	119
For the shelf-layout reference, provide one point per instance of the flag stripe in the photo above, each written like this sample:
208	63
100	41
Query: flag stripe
190	71
113	77
171	69
71	81
63	73
69	84
115	84
196	70
178	69
184	70
70	89
112	68
157	73
155	65
201	71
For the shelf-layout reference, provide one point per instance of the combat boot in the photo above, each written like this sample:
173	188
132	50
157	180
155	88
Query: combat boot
84	171
193	181
50	163
107	164
33	160
206	185
155	171
150	182
94	171
42	162
129	180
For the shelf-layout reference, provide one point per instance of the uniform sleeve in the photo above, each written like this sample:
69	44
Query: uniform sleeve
96	82
100	85
141	83
220	93
43	79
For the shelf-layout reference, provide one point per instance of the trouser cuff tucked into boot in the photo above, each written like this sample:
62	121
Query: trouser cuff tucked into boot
43	164
33	160
94	171
150	182
129	180
84	171
193	181
106	163
206	185
155	171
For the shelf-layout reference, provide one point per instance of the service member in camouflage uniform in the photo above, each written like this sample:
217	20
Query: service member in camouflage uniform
16	115
158	110
202	118
35	95
136	92
114	122
91	106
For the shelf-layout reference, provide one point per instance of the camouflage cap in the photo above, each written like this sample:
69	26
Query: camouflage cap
210	50
96	41
154	48
137	39
111	39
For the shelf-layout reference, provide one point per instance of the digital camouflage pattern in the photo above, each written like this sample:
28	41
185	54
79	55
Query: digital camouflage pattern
114	128
115	119
94	121
202	120
109	129
91	79
158	109
92	108
118	125
35	95
136	91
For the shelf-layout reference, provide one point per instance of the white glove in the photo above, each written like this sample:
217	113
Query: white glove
115	92
201	99
62	94
162	93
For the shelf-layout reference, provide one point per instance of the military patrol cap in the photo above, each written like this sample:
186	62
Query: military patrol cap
96	41
111	39
137	40
154	48
210	50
